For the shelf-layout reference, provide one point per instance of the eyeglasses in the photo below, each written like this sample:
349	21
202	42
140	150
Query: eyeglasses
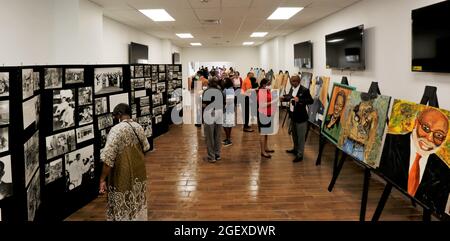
438	136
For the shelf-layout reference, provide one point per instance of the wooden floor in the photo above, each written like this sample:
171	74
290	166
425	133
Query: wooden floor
242	186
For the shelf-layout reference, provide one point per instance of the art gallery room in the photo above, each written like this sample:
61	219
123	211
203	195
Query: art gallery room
224	110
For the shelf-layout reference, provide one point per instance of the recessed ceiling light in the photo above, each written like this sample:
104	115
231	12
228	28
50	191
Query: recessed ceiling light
184	35
157	15
196	44
258	34
284	13
248	43
335	40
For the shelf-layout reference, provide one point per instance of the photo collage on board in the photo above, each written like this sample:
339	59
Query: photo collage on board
141	88
174	83
6	185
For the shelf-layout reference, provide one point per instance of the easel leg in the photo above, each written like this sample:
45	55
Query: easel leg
336	157
336	172
321	147
285	117
382	202
365	193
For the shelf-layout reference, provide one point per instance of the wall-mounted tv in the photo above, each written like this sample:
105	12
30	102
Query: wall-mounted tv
176	58
138	53
431	38
345	49
303	55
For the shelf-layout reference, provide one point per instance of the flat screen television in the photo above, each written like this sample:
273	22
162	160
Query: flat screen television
431	38
175	58
345	49
138	53
303	55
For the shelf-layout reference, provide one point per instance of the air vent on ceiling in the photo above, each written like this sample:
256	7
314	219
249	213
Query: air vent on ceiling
211	21
216	37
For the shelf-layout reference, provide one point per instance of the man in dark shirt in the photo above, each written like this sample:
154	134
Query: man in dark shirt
299	98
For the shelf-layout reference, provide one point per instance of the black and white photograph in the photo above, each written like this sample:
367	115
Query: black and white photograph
4	84
148	130
154	68
4	112
131	71
148	84
133	97
85	96
154	88
108	80
145	110
63	109
4	139
157	99
147	71
155	77
36	81
161	87
27	83
144	101
74	76
85	115
162	68
162	77
31	156
34	196
101	105
6	186
163	109
157	110
85	133
139	71
78	163
140	93
133	109
176	68
31	111
60	143
158	119
138	83
155	81
105	121
53	78
103	136
53	171
114	100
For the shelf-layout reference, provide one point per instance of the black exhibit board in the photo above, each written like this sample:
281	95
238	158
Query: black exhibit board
174	90
50	154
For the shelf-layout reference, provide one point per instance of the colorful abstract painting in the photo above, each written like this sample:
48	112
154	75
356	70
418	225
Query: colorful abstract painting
332	124
319	92
416	153
363	125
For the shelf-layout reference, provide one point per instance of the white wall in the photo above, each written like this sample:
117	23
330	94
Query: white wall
69	32
388	49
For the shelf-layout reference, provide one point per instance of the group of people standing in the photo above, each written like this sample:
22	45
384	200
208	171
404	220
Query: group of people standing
258	95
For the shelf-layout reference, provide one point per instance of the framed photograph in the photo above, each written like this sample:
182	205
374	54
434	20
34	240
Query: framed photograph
34	196
36	81
4	112
145	110
53	171
154	68
6	186
162	68
140	93
74	76
158	119
154	77
157	110
114	100
60	143
105	121
31	109
31	157
103	136
162	77
101	105
108	80
53	78
133	109
176	68
157	99
4	139
27	83
78	163
148	84
85	96
63	109
147	71
138	83
138	71
163	109
145	101
85	115
132	71
154	88
4	84
161	87
85	133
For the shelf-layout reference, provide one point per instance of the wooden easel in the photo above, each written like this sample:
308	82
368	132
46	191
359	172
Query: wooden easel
429	98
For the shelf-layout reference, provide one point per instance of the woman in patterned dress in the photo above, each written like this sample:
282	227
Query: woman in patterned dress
124	167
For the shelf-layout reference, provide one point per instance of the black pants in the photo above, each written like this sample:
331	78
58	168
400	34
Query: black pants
247	112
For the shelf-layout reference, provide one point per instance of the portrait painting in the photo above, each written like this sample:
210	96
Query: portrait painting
332	124
363	124
416	153
319	93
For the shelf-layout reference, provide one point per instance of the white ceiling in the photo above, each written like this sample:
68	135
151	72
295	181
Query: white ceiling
239	18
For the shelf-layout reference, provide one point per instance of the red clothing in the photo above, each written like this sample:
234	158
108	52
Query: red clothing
264	97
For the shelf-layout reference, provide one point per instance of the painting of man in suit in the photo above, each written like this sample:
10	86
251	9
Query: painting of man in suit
416	154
